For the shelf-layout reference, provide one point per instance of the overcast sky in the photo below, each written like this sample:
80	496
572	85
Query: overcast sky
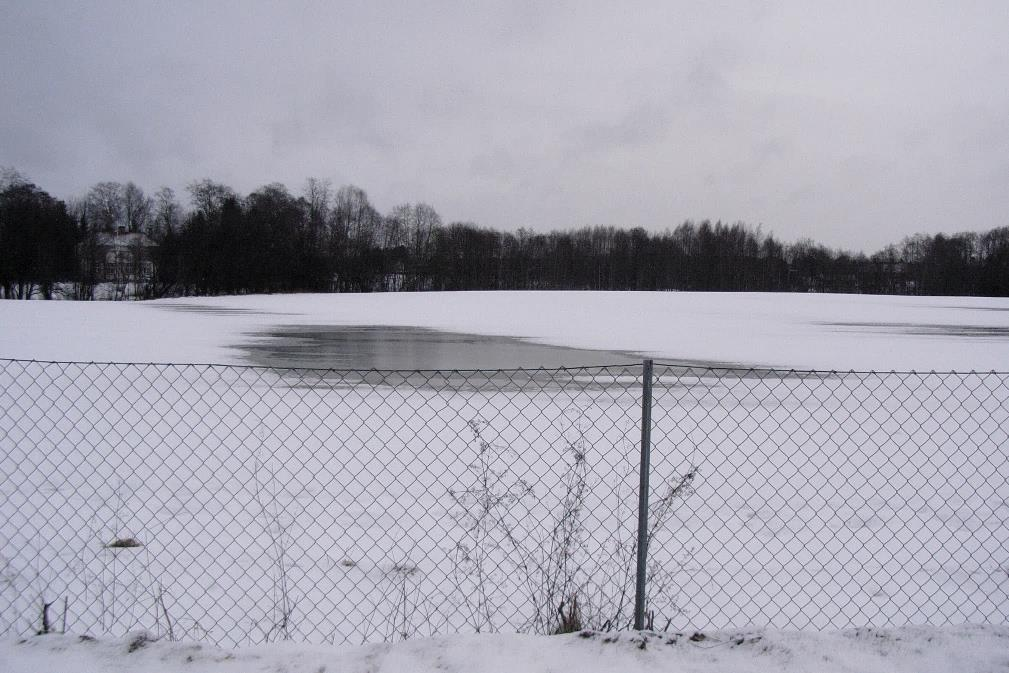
852	123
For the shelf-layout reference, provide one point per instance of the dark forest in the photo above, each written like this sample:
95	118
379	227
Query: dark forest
326	240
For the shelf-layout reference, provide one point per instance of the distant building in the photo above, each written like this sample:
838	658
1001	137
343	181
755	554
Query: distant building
125	256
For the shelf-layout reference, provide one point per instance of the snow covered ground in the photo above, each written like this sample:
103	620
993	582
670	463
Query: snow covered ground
820	502
780	330
964	649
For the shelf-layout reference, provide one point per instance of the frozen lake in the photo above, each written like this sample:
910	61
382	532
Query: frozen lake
820	500
520	329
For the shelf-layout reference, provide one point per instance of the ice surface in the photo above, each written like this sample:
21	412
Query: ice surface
781	330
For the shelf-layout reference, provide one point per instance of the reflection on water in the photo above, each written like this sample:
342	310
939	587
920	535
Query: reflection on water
424	358
400	348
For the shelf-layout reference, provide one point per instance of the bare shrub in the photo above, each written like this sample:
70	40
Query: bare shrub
502	552
278	526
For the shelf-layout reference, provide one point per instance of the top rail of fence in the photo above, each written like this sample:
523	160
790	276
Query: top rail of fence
685	366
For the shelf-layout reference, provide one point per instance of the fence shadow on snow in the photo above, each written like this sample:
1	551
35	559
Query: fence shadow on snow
245	504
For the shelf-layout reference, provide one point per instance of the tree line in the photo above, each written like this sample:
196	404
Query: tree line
334	240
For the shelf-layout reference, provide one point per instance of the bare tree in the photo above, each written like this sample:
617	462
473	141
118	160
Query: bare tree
426	221
88	254
167	212
11	177
208	196
419	223
136	207
393	232
105	206
318	198
318	194
356	216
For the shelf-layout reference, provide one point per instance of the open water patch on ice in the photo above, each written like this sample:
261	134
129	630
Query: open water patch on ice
377	347
428	359
423	357
205	309
921	329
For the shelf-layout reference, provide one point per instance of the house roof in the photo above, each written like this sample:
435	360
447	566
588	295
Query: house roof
131	239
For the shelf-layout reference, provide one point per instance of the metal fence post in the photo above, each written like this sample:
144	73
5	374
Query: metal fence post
646	449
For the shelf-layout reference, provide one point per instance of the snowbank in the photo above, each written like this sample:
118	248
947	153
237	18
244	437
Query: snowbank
964	649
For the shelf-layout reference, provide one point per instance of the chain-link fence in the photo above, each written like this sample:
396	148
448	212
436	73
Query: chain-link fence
244	504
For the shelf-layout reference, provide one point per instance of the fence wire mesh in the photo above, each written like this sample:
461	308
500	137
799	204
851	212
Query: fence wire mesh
244	504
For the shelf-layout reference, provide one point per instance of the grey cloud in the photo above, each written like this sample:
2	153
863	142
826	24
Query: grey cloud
494	164
643	124
854	124
706	81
